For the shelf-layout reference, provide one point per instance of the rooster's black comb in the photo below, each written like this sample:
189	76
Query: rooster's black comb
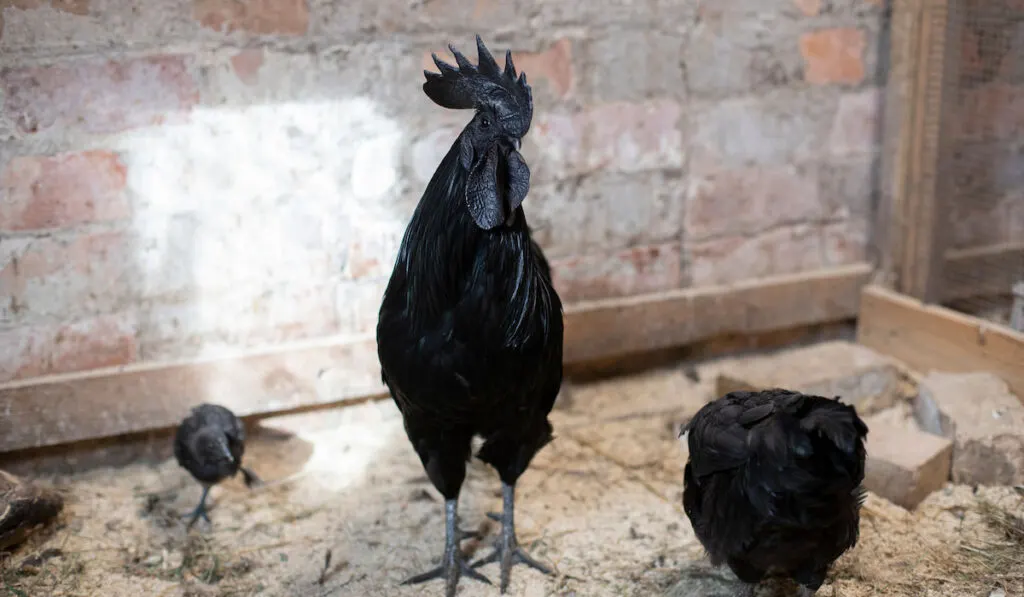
484	84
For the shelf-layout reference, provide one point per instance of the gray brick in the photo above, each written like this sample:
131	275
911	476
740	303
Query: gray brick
743	55
747	201
774	128
633	64
386	73
847	187
108	23
342	20
664	14
606	211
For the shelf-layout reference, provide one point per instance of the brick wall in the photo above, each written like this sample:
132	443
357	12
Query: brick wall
189	177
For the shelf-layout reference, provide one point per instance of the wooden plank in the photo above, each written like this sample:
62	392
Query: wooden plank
983	271
606	328
62	409
929	337
75	407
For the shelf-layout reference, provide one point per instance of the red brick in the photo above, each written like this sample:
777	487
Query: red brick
62	191
98	97
50	277
810	8
784	250
834	56
855	128
752	199
633	271
104	341
993	111
246	65
258	17
553	65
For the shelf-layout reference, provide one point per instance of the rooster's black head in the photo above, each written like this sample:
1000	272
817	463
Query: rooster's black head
489	145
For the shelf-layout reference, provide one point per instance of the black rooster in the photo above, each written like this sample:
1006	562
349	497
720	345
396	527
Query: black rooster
773	483
209	444
470	328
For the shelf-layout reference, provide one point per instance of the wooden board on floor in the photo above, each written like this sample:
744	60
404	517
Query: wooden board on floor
70	408
933	338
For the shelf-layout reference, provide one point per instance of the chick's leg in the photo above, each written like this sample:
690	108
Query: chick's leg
506	550
454	563
251	479
200	510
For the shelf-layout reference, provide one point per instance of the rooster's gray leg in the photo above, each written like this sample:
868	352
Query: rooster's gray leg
506	549
454	563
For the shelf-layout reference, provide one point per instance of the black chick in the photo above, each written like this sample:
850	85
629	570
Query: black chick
209	444
470	329
773	483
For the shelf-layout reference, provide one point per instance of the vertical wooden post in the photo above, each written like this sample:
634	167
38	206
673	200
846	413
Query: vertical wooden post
921	121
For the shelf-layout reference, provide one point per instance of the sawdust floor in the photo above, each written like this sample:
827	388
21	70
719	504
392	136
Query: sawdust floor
602	504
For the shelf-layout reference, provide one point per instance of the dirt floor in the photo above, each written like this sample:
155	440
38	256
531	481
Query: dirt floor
601	504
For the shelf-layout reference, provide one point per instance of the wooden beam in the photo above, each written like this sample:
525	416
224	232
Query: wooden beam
929	337
911	222
982	271
925	221
898	135
601	329
70	408
103	403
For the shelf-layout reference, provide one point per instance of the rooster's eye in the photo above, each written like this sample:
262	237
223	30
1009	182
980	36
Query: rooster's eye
485	122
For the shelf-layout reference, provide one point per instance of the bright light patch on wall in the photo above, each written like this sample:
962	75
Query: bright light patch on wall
375	168
243	214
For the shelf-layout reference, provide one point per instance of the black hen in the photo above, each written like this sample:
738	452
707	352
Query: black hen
773	483
470	328
209	444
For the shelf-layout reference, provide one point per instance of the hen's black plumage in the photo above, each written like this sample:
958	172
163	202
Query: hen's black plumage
470	329
209	444
773	483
